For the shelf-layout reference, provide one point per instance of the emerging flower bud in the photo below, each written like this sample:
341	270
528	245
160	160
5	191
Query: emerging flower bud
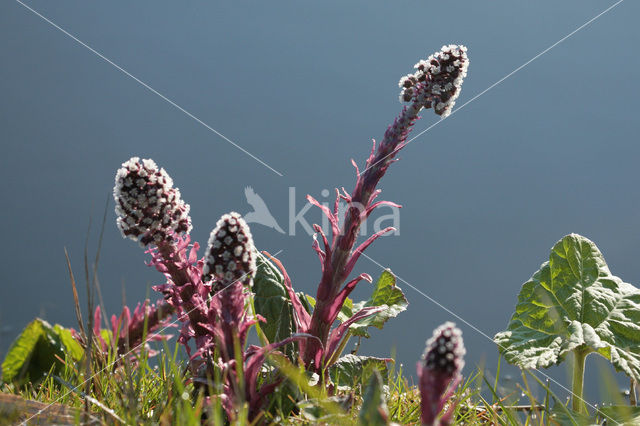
437	81
230	255
445	350
148	207
439	373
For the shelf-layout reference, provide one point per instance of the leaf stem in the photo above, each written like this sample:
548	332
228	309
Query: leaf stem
339	350
579	357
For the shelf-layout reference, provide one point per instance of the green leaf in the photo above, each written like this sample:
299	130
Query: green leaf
374	411
346	311
71	345
351	370
564	415
620	414
272	301
307	301
385	293
572	302
33	353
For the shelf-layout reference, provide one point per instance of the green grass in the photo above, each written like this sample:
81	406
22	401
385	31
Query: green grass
158	391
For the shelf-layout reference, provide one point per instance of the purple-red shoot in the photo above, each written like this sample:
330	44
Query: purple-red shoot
129	328
435	84
439	373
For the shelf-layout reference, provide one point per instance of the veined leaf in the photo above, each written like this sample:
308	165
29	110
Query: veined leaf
351	370
33	353
271	301
572	302
385	293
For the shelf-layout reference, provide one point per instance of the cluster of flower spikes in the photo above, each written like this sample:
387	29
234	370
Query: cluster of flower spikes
149	208
437	81
230	255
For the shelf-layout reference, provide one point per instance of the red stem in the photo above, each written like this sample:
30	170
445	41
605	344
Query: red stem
335	273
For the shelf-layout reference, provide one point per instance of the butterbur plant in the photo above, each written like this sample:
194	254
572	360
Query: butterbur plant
213	296
574	305
210	295
230	262
220	295
439	374
232	295
435	84
151	211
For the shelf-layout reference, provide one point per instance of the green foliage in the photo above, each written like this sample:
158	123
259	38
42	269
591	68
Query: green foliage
373	411
385	293
351	370
573	302
38	350
621	414
71	345
271	301
612	414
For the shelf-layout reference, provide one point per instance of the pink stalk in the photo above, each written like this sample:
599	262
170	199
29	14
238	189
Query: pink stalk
184	289
157	316
436	83
230	264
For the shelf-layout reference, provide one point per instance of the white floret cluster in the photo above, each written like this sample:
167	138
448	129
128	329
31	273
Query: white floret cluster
445	351
437	81
230	255
148	207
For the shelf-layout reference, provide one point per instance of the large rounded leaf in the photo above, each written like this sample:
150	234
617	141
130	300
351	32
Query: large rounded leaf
574	301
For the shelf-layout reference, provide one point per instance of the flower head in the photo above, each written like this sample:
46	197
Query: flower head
445	350
149	208
439	372
437	81
230	254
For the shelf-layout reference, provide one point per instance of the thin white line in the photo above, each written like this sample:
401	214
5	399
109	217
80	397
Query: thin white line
151	89
504	78
121	357
431	299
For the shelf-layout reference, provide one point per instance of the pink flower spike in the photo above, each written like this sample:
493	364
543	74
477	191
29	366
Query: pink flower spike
437	81
148	207
230	255
439	372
